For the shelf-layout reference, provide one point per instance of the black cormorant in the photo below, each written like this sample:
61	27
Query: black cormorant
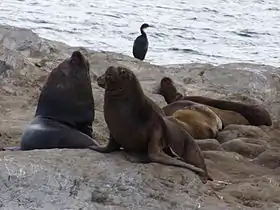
140	45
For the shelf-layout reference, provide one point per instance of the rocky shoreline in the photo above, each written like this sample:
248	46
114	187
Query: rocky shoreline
244	160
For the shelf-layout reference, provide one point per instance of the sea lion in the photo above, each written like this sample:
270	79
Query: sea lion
200	121
227	117
65	109
254	114
140	127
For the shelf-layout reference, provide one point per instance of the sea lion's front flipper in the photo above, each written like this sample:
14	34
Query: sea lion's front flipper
110	147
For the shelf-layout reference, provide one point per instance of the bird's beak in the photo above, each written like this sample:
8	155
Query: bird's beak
151	26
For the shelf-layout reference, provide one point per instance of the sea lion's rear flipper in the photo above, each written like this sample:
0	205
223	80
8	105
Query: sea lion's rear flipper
111	146
156	154
161	157
170	152
183	144
16	148
137	158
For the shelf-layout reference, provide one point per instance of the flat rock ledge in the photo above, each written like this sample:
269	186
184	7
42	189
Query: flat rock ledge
84	179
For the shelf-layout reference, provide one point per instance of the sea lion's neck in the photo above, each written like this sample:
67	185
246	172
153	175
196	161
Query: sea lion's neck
169	98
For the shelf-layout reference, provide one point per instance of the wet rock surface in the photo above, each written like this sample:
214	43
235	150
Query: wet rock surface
84	179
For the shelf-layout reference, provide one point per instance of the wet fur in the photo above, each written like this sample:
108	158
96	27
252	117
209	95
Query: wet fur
139	126
200	121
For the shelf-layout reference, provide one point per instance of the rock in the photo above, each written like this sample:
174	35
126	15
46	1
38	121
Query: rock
25	41
209	144
269	158
232	165
51	179
4	67
11	58
273	134
247	147
83	179
257	195
225	156
236	131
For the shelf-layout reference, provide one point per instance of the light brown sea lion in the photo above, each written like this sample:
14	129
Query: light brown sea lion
255	115
200	121
140	127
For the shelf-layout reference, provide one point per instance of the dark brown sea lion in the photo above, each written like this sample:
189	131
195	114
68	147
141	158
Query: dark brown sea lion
256	115
140	127
200	121
65	109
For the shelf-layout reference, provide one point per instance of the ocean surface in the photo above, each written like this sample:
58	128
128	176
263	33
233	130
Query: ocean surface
212	31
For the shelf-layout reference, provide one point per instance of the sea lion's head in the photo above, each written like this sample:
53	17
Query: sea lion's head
168	90
166	83
117	78
76	65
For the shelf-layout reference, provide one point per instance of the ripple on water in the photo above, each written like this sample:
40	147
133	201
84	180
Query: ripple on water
186	50
215	31
249	33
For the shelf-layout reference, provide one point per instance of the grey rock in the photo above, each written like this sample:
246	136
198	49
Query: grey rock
269	158
61	179
11	58
4	67
209	144
25	41
248	147
231	132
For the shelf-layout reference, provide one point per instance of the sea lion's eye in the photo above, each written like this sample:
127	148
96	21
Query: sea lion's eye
123	72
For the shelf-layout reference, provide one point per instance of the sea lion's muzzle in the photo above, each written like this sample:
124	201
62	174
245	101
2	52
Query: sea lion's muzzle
101	81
